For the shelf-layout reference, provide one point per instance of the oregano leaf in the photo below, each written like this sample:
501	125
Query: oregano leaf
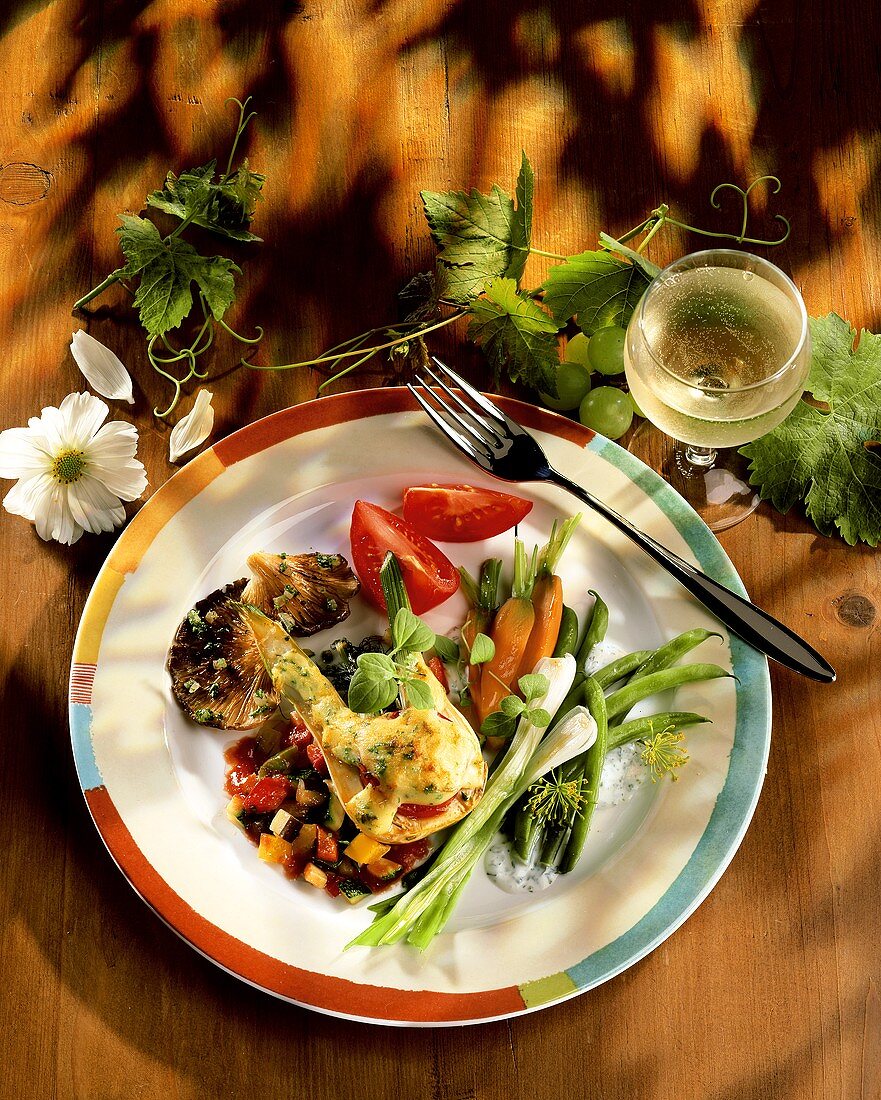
482	649
410	634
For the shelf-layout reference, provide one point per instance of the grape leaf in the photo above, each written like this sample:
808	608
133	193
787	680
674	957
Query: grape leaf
827	458
224	207
167	267
596	288
521	227
517	335
479	236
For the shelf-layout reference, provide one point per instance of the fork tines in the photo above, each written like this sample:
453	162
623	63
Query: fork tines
473	433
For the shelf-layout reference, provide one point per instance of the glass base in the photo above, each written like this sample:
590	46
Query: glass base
715	484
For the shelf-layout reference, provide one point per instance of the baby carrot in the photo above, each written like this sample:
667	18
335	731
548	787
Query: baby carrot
511	629
547	598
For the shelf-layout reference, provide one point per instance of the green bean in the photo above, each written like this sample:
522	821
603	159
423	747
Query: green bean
526	830
670	652
595	633
567	638
554	844
640	728
620	701
623	666
591	775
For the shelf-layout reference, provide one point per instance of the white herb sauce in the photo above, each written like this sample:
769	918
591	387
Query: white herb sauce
623	774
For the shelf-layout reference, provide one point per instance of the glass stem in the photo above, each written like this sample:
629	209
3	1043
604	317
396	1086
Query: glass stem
704	457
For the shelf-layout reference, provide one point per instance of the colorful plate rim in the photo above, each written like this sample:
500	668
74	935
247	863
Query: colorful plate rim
724	832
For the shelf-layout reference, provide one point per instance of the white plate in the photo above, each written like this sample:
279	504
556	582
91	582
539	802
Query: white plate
154	782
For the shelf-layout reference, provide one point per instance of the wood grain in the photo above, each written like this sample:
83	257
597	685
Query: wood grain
771	988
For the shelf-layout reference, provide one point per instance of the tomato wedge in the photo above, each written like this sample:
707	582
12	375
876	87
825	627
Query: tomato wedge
462	513
430	577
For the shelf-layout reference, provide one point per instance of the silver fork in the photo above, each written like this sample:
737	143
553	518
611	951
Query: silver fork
499	445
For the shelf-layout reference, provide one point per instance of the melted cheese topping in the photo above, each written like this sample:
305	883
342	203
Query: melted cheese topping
415	756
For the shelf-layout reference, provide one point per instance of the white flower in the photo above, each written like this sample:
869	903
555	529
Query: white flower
192	429
103	370
72	473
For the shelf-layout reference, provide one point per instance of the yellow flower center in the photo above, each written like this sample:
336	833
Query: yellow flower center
69	466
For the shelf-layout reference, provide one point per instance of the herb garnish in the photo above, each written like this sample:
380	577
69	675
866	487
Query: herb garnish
483	242
503	722
380	677
160	270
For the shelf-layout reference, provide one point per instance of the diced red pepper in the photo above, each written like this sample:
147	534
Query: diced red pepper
437	667
267	794
240	779
326	847
316	758
408	855
417	809
295	864
332	886
298	735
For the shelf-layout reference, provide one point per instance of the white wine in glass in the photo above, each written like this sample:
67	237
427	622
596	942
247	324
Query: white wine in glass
716	355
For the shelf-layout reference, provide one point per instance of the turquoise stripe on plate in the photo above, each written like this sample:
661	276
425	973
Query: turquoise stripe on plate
749	754
83	753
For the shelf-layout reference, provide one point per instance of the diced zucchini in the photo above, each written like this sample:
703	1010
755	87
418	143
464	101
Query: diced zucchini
234	809
384	869
353	890
364	849
336	815
284	824
304	842
309	798
273	849
315	876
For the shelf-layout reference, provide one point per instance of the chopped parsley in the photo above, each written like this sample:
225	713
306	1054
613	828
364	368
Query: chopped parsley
197	623
205	716
327	561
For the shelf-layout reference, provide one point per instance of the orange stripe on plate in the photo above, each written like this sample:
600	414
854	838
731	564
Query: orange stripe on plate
162	505
317	990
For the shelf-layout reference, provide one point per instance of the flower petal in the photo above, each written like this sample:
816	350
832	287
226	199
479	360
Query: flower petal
192	429
127	480
54	519
21	453
113	442
102	369
93	506
28	496
83	415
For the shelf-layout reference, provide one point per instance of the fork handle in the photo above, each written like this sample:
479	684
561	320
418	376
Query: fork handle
743	618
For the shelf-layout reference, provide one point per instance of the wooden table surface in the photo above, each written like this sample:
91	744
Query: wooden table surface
772	988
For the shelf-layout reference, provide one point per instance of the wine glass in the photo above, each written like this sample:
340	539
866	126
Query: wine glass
716	355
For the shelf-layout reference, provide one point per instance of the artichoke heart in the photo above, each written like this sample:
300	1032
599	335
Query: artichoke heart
420	758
